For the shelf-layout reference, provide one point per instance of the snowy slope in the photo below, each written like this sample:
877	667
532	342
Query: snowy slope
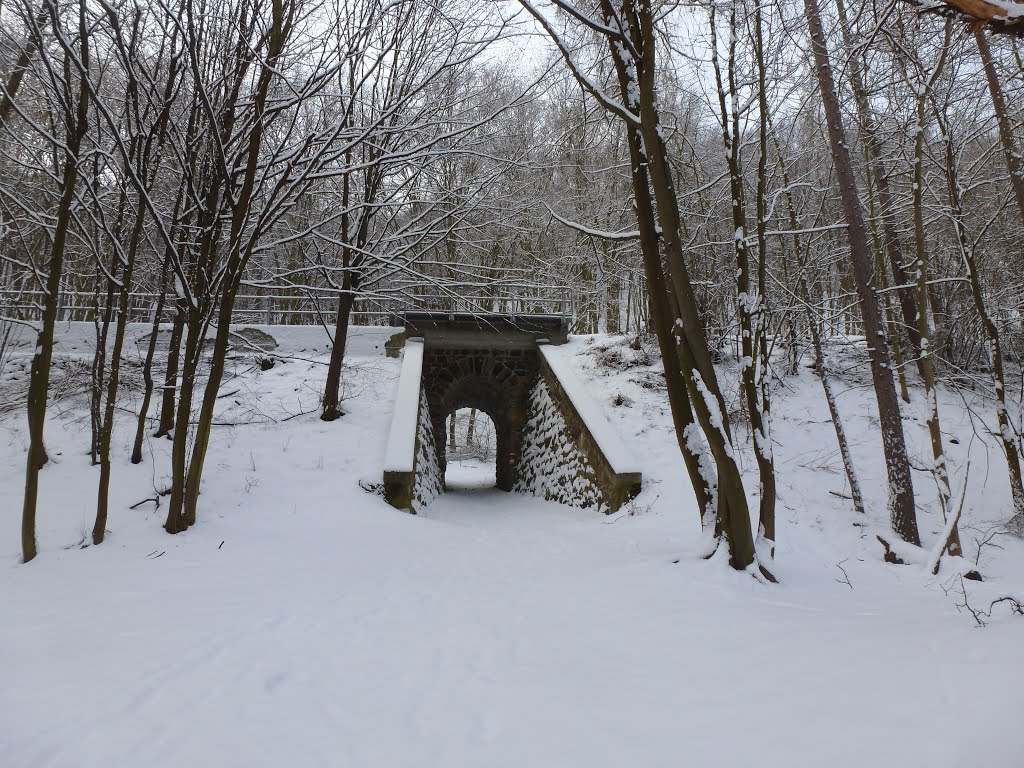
304	622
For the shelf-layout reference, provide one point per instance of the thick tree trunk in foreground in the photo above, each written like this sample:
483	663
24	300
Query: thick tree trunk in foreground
750	303
702	381
901	489
698	464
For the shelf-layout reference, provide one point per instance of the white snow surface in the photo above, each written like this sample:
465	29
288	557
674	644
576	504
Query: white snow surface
304	622
619	456
401	451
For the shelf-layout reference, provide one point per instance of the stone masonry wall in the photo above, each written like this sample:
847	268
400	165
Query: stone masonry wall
429	482
551	465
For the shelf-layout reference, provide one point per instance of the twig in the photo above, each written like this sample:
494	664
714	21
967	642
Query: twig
846	577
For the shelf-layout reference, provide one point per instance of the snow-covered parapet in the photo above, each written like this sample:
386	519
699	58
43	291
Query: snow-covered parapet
619	458
570	453
412	478
401	450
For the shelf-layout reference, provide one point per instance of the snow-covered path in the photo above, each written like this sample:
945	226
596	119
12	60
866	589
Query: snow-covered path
496	631
303	622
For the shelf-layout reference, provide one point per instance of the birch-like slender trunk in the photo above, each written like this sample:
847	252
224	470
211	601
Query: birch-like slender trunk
819	354
925	350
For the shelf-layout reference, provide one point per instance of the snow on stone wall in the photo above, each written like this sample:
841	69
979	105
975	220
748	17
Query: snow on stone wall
620	459
428	485
551	464
400	455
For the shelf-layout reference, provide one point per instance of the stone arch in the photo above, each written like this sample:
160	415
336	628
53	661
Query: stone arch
494	381
488	395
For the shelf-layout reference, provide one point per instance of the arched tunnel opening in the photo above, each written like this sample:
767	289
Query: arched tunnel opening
471	444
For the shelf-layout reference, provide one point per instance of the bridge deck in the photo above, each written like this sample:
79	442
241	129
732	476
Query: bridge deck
495	330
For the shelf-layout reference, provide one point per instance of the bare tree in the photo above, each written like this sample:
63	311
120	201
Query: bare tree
901	490
74	116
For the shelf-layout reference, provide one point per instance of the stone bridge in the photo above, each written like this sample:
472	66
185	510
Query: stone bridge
552	441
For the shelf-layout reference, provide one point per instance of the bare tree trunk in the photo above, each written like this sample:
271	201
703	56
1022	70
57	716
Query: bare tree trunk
873	148
761	373
925	352
17	74
1012	157
175	522
170	386
98	372
331	409
702	381
39	381
993	344
113	381
238	252
819	356
166	423
901	489
663	317
147	372
833	409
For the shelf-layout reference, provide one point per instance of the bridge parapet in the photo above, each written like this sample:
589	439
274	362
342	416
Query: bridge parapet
455	329
571	454
412	477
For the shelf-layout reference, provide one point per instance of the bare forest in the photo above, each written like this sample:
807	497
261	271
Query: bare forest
734	194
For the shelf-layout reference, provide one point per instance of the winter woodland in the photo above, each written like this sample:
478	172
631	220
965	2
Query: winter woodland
787	238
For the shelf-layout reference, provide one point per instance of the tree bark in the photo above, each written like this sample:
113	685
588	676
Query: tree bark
331	409
925	351
901	489
995	89
147	372
17	74
39	381
702	381
993	345
113	380
819	355
873	149
170	386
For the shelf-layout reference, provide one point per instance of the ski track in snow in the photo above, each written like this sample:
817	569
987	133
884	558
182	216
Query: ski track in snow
495	629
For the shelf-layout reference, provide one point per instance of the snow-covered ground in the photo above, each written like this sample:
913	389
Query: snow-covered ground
303	622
